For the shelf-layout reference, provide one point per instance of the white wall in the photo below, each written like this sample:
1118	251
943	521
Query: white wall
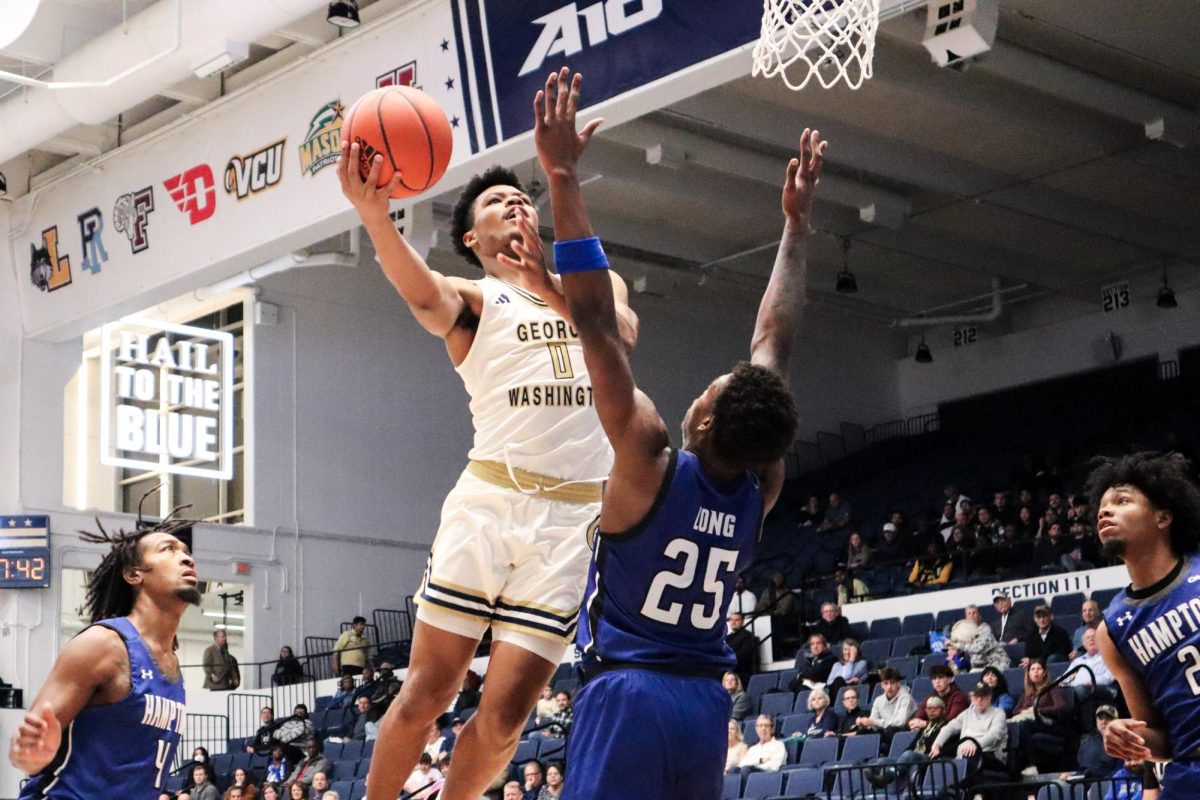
1053	337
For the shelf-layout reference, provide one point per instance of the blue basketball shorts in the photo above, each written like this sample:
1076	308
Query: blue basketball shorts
1181	781
639	733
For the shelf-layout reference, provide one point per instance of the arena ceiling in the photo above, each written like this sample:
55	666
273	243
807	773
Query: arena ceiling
1067	157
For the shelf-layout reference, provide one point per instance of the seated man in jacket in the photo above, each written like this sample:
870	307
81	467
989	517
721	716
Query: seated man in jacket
813	669
979	734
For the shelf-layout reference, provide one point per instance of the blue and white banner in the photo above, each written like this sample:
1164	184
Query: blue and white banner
21	533
509	47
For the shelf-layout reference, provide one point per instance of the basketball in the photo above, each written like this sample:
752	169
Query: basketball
408	129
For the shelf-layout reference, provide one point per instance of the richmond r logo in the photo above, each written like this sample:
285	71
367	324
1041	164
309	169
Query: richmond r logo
194	193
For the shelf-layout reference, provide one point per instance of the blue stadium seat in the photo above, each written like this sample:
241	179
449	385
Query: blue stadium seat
1026	607
343	788
359	791
801	704
922	687
1067	604
222	763
332	750
322	703
364	766
551	749
1105	596
240	759
965	680
568	685
733	787
947	617
901	742
906	666
931	660
792	746
527	750
174	783
860	748
562	672
804	782
859	630
344	770
368	748
818	752
785	679
886	628
749	735
876	651
776	704
352	750
761	785
915	624
795	723
1068	622
1015	677
761	684
902	646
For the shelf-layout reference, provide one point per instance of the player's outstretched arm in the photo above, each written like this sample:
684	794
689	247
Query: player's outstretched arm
1144	736
779	311
82	667
436	301
634	428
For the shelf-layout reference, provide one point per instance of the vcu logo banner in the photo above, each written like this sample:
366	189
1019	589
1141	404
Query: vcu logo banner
255	172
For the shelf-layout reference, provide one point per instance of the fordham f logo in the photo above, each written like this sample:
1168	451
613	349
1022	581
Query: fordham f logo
130	214
194	193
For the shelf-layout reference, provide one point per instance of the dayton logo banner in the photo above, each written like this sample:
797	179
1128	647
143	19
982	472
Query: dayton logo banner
194	193
256	172
620	45
322	144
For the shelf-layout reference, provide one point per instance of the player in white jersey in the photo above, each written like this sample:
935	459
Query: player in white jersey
511	553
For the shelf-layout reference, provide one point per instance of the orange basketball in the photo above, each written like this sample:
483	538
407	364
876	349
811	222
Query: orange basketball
408	129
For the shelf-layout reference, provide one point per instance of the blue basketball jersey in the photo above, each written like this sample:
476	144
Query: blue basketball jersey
658	593
1159	637
122	749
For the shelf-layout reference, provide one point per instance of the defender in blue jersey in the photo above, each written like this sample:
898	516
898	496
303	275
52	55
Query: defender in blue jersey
1149	515
108	719
676	526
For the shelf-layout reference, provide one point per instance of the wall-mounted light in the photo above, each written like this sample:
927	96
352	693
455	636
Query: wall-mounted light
1166	295
343	13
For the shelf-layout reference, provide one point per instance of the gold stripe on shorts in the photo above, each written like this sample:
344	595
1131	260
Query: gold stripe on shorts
497	474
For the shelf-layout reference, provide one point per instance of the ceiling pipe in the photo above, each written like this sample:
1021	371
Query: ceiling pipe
297	258
135	50
997	296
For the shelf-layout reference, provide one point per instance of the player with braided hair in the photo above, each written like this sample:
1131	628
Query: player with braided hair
108	719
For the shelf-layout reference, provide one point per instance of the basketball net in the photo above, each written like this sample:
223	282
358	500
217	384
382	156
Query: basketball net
833	40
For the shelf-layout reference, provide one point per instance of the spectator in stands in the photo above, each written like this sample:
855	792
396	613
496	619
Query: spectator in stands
1001	696
931	569
366	724
891	710
1093	761
849	588
1027	524
850	670
953	496
948	520
264	738
973	637
352	650
779	601
199	756
435	743
1047	641
1001	510
369	686
944	689
320	785
736	748
242	781
1051	705
545	705
270	791
744	600
232	793
1049	549
769	755
980	733
287	668
314	761
961	541
849	712
1090	616
555	773
388	686
891	551
424	780
533	779
202	784
1010	556
988	531
563	717
858	552
345	694
1013	626
745	647
838	514
812	668
1087	694
331	795
825	722
512	791
1080	547
277	769
741	700
298	791
832	625
468	695
221	672
294	731
1056	503
810	513
1048	519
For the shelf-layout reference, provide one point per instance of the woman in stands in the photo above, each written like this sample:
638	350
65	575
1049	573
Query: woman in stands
741	701
858	552
344	697
297	791
1001	697
287	668
555	771
737	746
851	670
1051	706
242	781
270	791
826	722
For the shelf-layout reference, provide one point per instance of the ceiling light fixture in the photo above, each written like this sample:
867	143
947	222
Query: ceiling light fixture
923	355
1166	295
343	13
846	283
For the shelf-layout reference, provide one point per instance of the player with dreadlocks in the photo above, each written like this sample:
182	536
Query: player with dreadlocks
108	719
1149	515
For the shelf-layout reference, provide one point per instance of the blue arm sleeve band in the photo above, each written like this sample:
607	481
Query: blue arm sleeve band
579	255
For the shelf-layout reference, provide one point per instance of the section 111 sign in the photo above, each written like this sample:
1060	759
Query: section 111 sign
166	398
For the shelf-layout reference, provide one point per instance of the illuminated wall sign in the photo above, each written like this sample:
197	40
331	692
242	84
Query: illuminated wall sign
166	398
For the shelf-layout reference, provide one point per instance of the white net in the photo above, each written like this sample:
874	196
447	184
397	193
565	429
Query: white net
831	40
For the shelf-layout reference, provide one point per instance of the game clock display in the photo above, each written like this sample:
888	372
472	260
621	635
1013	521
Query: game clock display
24	552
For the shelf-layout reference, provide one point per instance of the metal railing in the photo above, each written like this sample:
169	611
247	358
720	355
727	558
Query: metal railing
210	731
807	456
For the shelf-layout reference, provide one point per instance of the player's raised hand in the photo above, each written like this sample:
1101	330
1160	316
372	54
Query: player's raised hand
36	740
1122	740
559	144
803	175
528	249
364	194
